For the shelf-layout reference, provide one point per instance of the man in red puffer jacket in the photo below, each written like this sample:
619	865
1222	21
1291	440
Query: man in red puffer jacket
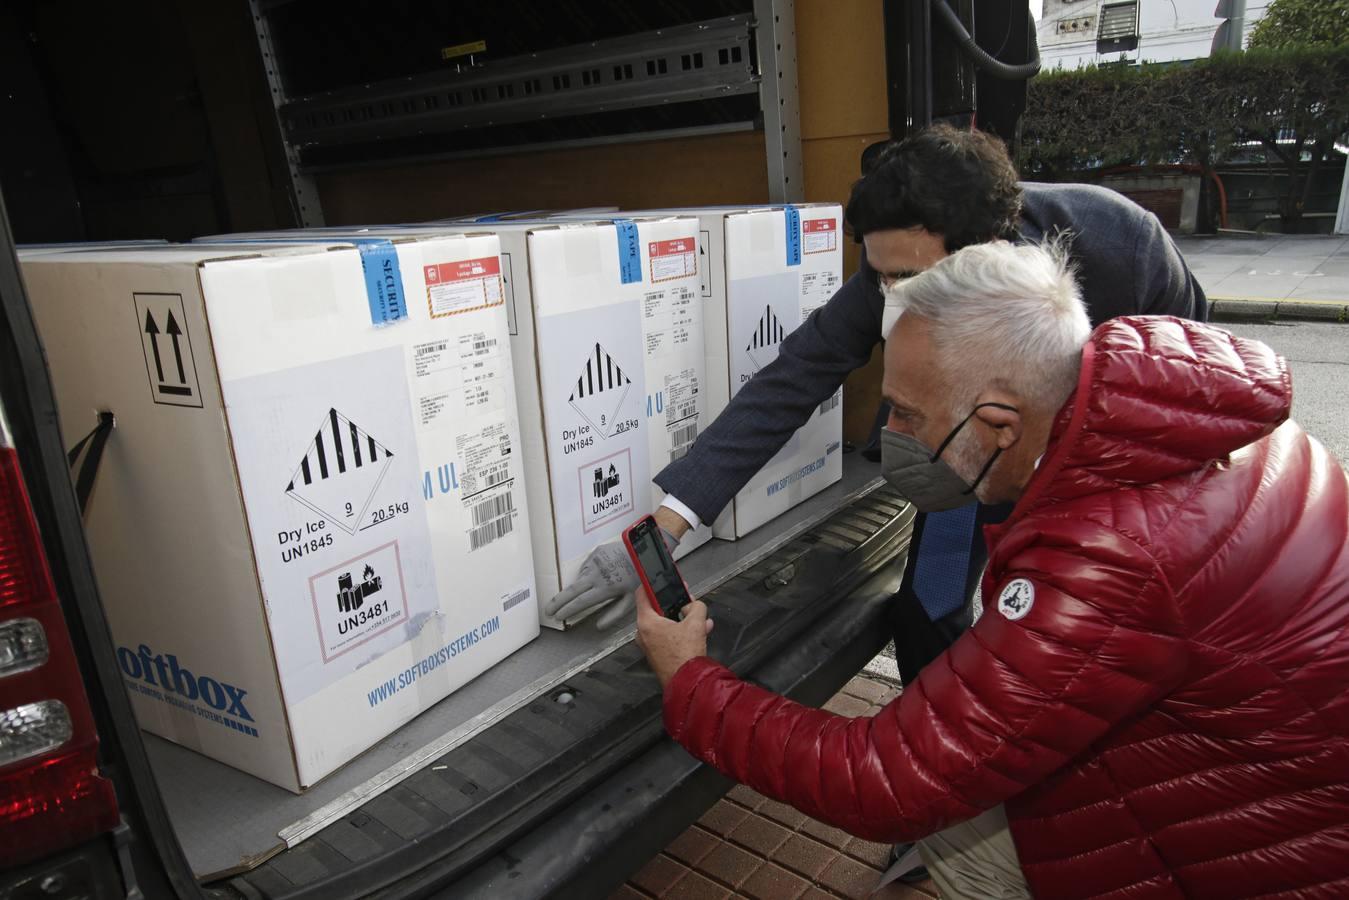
1158	692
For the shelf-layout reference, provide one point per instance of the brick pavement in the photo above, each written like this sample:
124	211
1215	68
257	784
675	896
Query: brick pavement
749	846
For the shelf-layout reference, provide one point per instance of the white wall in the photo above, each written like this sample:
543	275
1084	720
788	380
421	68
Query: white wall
1169	30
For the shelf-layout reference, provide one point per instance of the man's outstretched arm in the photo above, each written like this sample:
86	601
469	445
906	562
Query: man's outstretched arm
811	365
1002	709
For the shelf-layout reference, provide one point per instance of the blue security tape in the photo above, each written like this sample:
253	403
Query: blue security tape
383	280
793	235
629	251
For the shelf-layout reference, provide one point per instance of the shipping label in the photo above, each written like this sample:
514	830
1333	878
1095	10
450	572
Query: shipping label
680	401
673	259
819	235
458	377
459	287
816	289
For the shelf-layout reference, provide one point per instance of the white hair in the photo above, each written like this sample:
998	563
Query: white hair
1003	314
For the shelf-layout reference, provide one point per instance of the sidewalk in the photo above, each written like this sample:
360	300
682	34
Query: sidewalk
749	846
1272	276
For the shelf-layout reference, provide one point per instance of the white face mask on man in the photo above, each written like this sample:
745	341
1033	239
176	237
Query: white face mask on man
890	313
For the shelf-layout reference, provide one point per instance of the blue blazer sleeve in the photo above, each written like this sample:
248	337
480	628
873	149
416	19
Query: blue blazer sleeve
1163	283
812	363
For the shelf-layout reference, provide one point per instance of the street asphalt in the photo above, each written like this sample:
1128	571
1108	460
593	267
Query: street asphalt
1318	355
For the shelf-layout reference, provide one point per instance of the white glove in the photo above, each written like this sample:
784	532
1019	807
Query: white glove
606	577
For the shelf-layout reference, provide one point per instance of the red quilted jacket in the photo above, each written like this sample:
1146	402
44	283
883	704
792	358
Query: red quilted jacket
1163	701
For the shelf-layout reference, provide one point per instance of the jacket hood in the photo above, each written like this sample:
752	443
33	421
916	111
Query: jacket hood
1159	397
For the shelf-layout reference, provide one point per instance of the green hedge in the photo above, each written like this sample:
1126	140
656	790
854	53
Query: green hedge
1199	113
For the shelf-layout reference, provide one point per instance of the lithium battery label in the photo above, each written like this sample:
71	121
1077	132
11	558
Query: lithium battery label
673	259
358	599
819	235
606	489
464	286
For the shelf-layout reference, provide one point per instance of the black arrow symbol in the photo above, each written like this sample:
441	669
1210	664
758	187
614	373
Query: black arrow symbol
173	332
153	330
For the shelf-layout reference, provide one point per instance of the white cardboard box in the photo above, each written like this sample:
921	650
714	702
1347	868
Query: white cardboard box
307	525
609	358
763	271
614	344
575	308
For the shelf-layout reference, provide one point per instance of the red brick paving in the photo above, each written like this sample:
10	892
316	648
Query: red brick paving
749	846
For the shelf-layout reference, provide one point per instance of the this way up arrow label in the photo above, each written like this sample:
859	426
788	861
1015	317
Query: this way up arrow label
178	386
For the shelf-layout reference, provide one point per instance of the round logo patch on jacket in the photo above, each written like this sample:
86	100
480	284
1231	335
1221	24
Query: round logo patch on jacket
1016	599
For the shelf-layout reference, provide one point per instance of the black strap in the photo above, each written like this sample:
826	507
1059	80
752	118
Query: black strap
88	470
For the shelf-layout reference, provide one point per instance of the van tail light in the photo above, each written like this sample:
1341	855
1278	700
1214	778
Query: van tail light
51	794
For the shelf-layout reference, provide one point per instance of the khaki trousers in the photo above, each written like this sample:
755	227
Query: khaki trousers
975	860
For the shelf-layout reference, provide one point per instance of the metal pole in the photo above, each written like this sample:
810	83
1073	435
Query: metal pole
908	65
775	35
1238	29
1232	31
1342	219
304	193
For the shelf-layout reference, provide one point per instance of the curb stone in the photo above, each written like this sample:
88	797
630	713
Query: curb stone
1244	309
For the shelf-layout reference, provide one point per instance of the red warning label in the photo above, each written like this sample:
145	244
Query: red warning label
673	259
819	235
463	286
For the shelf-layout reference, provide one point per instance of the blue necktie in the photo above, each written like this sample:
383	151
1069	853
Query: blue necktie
944	560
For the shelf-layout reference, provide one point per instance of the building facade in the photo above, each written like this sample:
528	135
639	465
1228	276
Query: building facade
1077	33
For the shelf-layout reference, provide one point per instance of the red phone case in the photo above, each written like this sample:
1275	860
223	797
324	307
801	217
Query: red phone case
637	564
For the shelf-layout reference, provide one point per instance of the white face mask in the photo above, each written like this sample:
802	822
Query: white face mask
894	308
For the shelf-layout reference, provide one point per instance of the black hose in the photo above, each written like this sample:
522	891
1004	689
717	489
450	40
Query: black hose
982	59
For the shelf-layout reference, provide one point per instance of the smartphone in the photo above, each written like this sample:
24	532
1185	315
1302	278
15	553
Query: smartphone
656	567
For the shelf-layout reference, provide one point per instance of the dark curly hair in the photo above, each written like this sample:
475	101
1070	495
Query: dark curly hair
955	183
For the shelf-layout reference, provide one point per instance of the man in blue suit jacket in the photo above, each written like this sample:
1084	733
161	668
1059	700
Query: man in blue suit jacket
926	197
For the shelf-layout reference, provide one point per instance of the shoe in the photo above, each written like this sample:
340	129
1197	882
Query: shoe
917	873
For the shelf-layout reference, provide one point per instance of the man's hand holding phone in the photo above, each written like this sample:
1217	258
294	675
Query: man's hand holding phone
669	644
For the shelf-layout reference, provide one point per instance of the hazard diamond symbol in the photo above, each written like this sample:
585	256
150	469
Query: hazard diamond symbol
764	342
339	473
599	391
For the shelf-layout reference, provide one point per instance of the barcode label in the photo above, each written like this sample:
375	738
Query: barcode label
494	530
488	344
492	507
430	348
685	435
495	478
679	453
832	402
515	600
683	411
